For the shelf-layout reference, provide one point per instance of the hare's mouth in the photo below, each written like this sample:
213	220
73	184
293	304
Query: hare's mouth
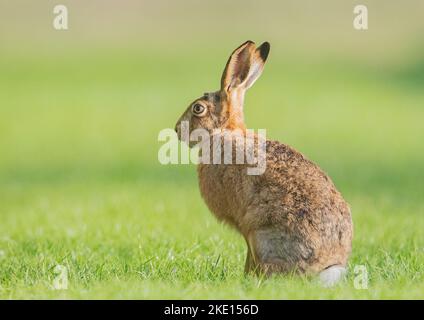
180	135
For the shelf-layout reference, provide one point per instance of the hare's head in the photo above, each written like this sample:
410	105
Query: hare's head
223	109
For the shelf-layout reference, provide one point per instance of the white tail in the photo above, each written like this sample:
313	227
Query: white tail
332	275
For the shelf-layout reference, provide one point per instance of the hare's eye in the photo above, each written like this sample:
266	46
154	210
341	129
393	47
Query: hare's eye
198	109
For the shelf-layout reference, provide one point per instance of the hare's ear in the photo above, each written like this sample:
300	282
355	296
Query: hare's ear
244	66
257	64
238	65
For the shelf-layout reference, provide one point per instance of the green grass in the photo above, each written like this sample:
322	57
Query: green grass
80	184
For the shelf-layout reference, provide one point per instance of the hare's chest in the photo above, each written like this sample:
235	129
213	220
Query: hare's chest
223	188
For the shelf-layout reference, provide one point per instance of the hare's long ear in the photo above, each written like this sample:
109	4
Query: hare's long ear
257	64
244	66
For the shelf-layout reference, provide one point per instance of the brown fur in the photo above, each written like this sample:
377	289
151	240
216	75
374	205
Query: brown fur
292	217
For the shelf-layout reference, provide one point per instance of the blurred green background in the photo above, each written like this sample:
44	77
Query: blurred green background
80	111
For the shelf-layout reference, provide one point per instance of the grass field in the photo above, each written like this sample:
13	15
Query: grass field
81	187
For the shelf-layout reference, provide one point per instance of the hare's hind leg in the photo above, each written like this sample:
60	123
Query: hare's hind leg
276	252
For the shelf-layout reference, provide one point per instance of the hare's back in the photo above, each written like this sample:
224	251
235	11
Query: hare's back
293	191
298	205
296	180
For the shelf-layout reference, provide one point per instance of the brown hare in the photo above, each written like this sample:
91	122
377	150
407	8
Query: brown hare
292	217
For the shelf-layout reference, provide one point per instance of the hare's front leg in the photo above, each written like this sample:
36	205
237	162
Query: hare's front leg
249	266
